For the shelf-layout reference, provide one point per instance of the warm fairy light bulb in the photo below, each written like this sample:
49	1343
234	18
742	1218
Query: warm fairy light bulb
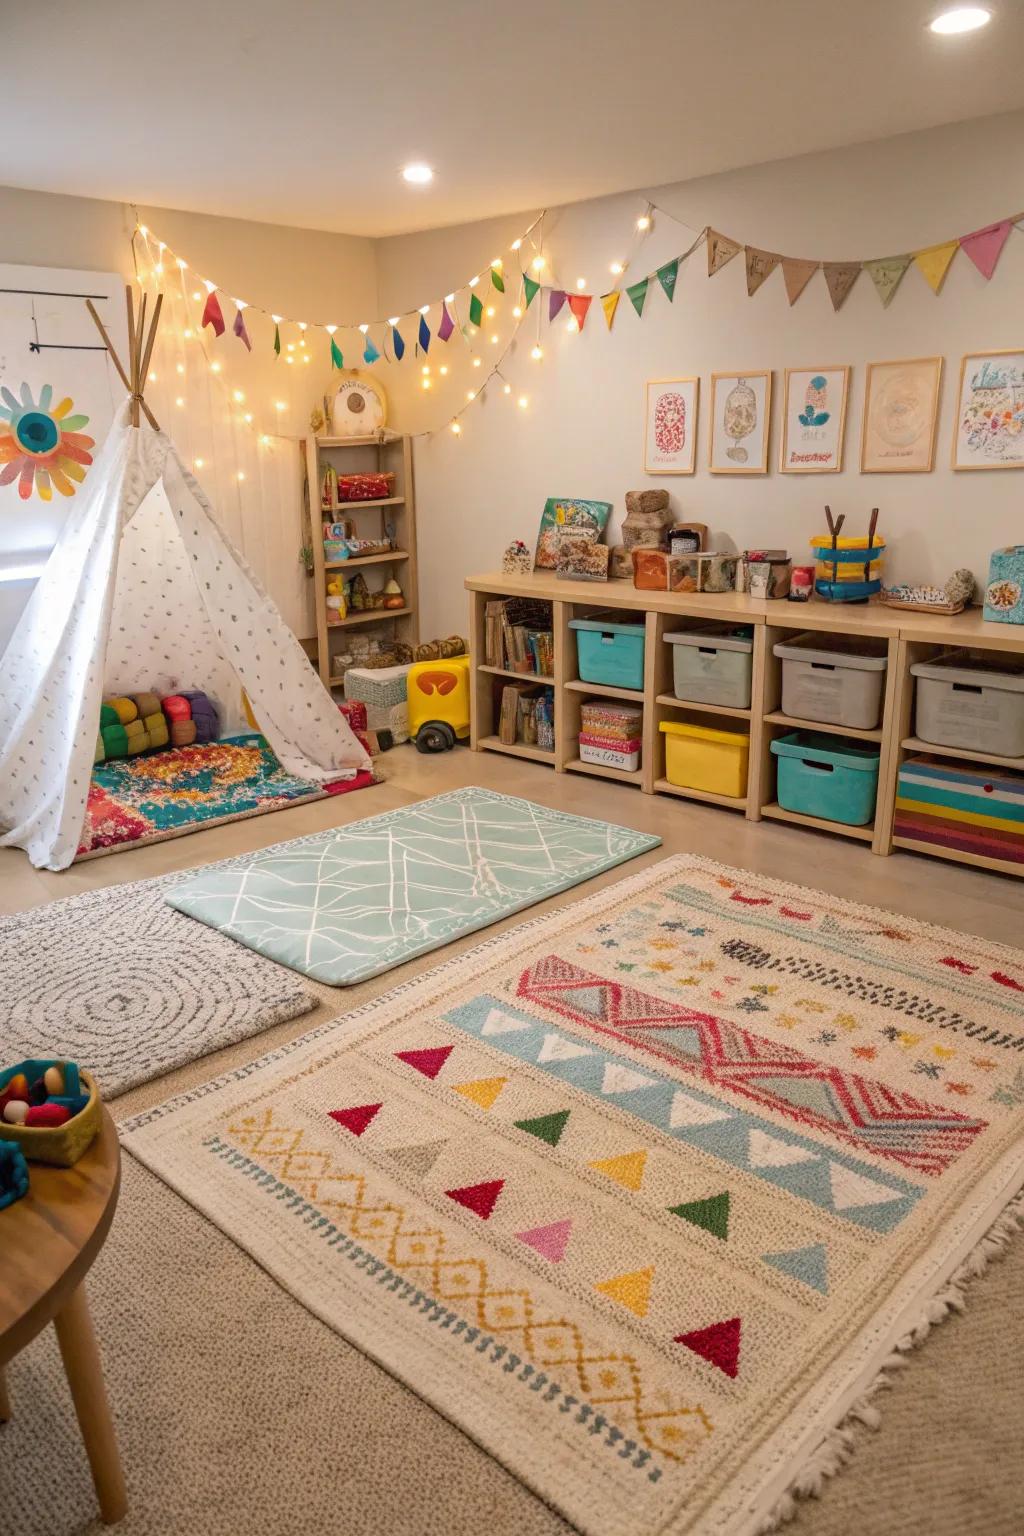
523	402
210	287
537	352
264	440
330	329
239	396
476	362
215	367
289	359
517	313
494	340
152	378
508	389
425	383
280	405
570	324
180	400
158	270
443	368
182	264
247	418
364	329
617	269
516	244
239	303
490	311
302	325
143	231
425	368
241	474
302	341
187	334
643	222
496	262
581	283
449	298
197	463
456	428
196	295
964	18
470	394
424	309
180	368
394	320
306	357
290	346
473	282
538	263
276	319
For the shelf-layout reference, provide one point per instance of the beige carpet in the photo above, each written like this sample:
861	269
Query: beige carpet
238	1413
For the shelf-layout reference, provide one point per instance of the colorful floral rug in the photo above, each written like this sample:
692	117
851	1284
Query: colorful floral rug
641	1194
159	795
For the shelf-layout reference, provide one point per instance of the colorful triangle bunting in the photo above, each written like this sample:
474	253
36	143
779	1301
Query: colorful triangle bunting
547	1128
277	340
720	250
397	343
667	277
447	324
760	264
627	1170
840	277
796	274
476	310
712	1214
429	1060
632	1290
355	1119
337	360
479	1198
985	245
497	280
482	1091
240	330
719	1344
579	303
530	289
370	353
934	262
556	298
610	303
423	336
637	295
550	1241
886	272
212	313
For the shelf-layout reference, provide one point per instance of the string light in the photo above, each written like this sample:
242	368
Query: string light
425	368
239	396
215	367
247	418
537	352
364	329
152	378
393	320
196	296
456	428
241	474
264	440
424	309
280	405
330	329
508	389
182	264
517	312
516	244
497	260
197	463
523	402
539	263
470	394
187	334
571	324
490	311
143	231
241	304
425	383
643	222
180	401
180	368
473	282
581	283
476	362
494	340
617	269
449	298
276	319
443	368
302	325
210	287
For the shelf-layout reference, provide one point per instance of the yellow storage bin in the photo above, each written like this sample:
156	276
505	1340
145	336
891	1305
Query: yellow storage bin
698	757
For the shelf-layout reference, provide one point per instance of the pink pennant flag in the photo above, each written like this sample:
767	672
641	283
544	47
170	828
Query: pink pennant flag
556	299
447	324
579	303
984	246
240	330
212	313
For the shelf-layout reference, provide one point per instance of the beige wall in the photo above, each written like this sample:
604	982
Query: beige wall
581	433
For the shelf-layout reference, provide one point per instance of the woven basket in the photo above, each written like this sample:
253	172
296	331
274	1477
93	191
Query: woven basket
59	1145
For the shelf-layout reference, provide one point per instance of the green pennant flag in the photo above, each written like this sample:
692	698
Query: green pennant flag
530	288
667	277
476	310
497	280
337	361
637	295
277	340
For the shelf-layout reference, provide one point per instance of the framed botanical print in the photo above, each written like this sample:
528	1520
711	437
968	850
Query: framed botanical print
740	412
901	408
670	426
813	421
989	428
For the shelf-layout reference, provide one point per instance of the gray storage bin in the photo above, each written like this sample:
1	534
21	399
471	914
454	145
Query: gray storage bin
971	701
834	678
711	665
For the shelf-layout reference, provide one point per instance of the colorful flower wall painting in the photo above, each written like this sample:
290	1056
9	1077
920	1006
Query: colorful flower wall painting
989	431
740	416
670	426
813	421
901	409
41	444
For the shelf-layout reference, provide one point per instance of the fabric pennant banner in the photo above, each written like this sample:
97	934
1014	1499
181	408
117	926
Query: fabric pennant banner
370	353
579	303
424	334
638	294
476	310
610	303
240	330
398	344
840	277
337	360
530	288
985	245
212	313
760	264
277	340
887	273
447	325
556	298
934	262
667	277
796	274
497	280
720	250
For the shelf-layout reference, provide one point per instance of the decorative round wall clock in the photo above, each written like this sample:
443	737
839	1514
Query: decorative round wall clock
360	406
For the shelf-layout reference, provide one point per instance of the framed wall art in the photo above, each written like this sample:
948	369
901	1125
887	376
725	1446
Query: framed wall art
901	407
813	421
989	429
670	426
740	412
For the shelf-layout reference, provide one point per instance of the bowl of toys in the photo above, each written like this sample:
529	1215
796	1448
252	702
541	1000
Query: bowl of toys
49	1109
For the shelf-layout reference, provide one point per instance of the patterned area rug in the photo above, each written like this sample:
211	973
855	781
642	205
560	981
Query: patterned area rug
345	905
159	795
118	981
641	1194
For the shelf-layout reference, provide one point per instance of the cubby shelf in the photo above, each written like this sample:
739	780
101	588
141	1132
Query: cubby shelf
910	637
389	558
515	749
520	677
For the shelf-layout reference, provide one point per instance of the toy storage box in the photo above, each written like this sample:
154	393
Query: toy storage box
610	652
971	807
827	777
712	665
699	757
971	702
610	752
835	678
384	692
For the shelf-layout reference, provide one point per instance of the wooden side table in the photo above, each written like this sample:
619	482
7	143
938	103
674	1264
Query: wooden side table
49	1240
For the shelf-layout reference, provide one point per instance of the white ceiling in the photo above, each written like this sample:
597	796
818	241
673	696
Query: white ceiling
303	112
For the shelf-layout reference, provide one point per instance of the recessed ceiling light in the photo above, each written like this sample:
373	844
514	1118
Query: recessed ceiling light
963	18
417	173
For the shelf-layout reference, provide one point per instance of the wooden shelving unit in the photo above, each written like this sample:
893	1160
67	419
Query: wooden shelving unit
387	451
910	637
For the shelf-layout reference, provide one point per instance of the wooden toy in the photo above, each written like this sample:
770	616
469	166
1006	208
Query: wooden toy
58	1129
438	700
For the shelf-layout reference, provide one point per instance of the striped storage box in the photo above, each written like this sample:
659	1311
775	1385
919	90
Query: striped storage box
966	806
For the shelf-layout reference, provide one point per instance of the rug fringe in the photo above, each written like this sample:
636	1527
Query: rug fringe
836	1449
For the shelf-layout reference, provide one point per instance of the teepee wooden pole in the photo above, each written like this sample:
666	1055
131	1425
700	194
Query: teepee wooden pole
133	355
151	338
138	358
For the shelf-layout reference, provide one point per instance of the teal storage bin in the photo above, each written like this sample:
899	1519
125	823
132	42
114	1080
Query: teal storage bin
827	776
610	652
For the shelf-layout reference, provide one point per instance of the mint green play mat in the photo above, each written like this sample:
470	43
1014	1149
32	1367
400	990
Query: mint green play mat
345	905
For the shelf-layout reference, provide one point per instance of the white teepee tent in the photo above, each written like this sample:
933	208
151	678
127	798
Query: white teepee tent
144	592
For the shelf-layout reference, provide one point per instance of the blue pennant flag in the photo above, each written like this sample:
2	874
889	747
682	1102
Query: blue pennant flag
370	353
398	344
424	336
